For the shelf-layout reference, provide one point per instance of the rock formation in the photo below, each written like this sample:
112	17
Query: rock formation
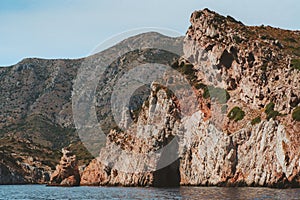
66	173
256	73
242	133
133	163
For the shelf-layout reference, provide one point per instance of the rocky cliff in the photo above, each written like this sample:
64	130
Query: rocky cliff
255	141
129	157
245	130
67	172
236	124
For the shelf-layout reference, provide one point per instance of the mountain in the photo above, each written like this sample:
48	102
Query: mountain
36	119
217	107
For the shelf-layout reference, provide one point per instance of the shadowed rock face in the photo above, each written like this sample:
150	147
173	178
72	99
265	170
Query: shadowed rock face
10	177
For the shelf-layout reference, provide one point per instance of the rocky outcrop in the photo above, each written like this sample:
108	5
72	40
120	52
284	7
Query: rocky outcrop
242	132
255	72
22	168
260	155
130	157
66	173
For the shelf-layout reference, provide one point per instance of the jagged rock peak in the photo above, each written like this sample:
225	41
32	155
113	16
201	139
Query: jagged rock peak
211	16
66	173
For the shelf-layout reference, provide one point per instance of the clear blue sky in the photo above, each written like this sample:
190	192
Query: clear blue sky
73	28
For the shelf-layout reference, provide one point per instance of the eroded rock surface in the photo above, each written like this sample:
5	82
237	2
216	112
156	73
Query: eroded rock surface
66	173
229	66
255	72
130	158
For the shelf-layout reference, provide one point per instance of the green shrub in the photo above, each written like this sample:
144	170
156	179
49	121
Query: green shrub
256	120
200	86
188	70
296	114
236	114
237	39
290	39
264	67
295	63
270	107
271	113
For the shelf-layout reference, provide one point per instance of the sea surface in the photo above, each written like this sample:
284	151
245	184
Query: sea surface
43	192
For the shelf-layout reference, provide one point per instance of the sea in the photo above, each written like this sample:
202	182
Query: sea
199	193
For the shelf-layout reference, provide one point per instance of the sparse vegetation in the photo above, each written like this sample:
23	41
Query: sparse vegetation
264	67
266	37
271	113
269	107
236	114
200	86
188	70
295	63
290	39
82	154
256	120
296	114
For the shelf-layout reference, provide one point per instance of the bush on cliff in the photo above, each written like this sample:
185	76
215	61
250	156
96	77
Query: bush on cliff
296	114
236	114
295	63
271	113
256	120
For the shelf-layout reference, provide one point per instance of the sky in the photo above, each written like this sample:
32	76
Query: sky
74	28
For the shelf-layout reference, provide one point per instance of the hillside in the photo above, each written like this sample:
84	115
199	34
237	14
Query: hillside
36	119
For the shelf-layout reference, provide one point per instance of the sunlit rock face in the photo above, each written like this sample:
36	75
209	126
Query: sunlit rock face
66	173
255	71
242	132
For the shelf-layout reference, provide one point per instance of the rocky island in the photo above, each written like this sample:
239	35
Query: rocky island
244	130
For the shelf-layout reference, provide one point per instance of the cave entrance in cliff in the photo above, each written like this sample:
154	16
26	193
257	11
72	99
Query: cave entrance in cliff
168	176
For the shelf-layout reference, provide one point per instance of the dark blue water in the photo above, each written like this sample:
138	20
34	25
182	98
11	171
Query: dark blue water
43	192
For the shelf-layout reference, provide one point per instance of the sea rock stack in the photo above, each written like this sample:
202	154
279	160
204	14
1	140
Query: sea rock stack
66	173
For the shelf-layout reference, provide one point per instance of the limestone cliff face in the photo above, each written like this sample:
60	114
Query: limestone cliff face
260	155
130	158
242	132
255	72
